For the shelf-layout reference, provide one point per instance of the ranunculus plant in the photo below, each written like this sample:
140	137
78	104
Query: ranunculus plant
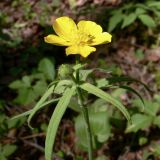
73	80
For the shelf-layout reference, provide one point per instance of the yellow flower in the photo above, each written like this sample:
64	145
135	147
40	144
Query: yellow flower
79	38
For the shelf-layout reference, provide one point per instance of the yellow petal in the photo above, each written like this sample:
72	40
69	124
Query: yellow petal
65	27
53	39
89	27
101	39
84	51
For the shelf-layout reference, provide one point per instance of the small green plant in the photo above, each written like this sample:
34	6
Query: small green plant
148	13
76	82
148	118
31	87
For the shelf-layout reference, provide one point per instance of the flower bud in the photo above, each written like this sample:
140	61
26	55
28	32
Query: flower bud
65	70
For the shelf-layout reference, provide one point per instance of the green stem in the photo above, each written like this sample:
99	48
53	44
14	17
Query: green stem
88	128
86	117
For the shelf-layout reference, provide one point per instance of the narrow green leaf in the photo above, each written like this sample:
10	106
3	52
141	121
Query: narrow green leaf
40	102
101	94
30	111
64	83
55	120
21	115
116	79
55	82
135	92
107	71
147	20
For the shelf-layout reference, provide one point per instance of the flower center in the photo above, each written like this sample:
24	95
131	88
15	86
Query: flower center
84	39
